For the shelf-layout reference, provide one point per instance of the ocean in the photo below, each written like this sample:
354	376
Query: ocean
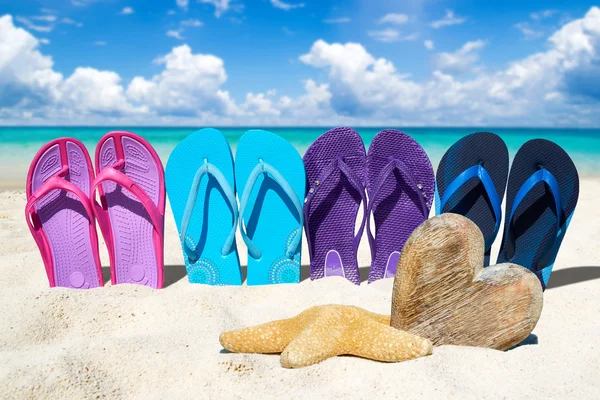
19	144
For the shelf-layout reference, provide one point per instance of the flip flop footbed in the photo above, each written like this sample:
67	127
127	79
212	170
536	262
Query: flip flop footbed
471	199
71	242
212	218
403	196
334	204
136	251
271	218
530	240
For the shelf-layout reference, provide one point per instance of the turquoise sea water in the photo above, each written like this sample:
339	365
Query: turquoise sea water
19	144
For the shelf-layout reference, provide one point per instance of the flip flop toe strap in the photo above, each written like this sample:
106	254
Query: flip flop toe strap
338	165
391	166
56	182
546	177
211	170
479	172
265	168
110	174
53	183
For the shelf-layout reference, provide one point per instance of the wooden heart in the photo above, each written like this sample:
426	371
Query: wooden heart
442	292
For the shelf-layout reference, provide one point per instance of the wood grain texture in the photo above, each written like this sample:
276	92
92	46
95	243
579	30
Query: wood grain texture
442	292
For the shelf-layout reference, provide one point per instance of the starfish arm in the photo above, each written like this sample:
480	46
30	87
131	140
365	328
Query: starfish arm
381	342
272	337
313	345
381	318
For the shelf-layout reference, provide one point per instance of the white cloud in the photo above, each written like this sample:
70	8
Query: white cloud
359	83
193	23
171	12
394	18
47	11
449	19
100	43
181	4
45	18
543	14
88	90
391	35
175	33
44	41
126	11
412	36
188	23
528	32
385	35
29	83
566	78
27	80
190	84
535	29
557	86
462	60
69	21
34	27
341	20
285	6
222	6
260	104
429	45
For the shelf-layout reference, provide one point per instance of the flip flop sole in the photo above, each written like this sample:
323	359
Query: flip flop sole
482	148
334	206
71	248
399	209
270	217
136	253
212	217
535	218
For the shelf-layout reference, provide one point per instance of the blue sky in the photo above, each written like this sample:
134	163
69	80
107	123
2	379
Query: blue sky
284	62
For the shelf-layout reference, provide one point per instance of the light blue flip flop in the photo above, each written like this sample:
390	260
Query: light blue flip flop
272	174
201	189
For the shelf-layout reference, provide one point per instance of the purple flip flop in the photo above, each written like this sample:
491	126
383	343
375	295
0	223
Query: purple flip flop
131	184
336	172
60	216
400	187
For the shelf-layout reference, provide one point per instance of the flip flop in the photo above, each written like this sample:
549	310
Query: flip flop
201	189
400	186
538	214
131	185
471	180
272	174
60	216
336	173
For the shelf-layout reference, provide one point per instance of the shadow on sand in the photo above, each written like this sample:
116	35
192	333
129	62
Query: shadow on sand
569	276
305	273
561	277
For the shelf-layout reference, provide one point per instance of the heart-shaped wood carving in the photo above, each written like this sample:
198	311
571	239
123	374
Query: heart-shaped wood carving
442	292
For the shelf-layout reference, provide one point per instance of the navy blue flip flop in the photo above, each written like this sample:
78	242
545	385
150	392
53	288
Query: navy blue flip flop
542	193
471	180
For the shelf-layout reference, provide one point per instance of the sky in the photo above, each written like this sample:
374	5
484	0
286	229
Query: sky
300	63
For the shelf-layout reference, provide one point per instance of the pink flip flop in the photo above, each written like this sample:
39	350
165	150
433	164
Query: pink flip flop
60	215
130	181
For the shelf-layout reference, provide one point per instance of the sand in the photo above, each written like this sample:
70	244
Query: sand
128	341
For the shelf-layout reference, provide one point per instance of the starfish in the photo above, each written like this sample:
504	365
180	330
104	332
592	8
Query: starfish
327	331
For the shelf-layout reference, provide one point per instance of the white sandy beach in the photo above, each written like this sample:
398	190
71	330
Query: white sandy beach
129	341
